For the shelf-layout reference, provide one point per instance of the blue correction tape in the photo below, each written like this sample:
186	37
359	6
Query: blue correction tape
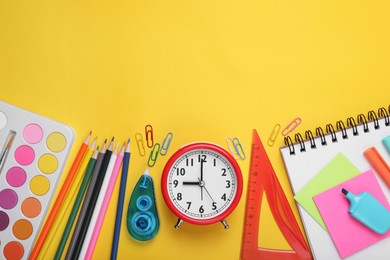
142	216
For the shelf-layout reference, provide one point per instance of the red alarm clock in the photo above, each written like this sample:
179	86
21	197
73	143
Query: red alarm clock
201	184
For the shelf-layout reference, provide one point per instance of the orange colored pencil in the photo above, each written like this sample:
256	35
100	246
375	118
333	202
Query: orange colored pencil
60	198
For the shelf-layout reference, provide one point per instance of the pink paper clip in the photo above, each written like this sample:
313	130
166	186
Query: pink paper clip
149	135
291	126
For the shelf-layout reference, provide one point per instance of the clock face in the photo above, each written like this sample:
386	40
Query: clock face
202	183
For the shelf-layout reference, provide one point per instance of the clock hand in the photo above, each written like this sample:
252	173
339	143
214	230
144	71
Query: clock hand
201	170
191	183
208	193
197	183
202	184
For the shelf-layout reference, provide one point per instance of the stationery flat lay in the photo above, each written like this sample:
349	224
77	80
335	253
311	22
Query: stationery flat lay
194	130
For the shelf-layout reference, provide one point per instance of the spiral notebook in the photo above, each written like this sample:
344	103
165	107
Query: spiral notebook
305	156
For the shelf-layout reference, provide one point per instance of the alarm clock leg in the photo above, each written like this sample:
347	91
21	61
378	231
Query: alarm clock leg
225	224
179	221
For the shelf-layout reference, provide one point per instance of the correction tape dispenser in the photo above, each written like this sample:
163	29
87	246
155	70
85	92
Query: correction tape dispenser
142	217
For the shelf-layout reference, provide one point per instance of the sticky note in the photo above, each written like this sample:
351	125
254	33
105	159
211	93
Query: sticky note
338	170
348	234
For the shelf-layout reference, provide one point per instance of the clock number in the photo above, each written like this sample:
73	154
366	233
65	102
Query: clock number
223	171
188	162
201	209
175	182
214	206
181	171
179	196
215	162
189	204
227	184
224	197
202	157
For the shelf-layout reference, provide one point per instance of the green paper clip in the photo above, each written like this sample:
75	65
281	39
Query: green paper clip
153	155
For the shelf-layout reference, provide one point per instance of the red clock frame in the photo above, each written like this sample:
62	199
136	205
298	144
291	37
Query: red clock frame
201	146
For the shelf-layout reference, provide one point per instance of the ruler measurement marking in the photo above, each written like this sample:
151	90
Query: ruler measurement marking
259	166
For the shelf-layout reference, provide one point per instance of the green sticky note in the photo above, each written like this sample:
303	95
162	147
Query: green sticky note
338	170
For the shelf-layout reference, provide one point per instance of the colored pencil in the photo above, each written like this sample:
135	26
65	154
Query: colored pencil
121	199
99	203
87	199
67	201
60	198
77	203
106	201
91	205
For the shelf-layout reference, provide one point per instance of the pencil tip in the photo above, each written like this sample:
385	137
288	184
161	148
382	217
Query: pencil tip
128	140
112	139
86	141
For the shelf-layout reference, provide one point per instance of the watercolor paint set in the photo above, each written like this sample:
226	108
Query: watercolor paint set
33	152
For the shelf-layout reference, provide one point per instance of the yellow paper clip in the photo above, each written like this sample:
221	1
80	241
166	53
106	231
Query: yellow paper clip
291	126
153	155
274	135
140	144
149	135
166	143
238	151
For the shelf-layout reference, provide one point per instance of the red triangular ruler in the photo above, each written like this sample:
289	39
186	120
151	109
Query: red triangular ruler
262	179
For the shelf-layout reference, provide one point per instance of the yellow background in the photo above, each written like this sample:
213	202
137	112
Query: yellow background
203	70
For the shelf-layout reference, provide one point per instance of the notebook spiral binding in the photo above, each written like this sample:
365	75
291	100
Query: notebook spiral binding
330	131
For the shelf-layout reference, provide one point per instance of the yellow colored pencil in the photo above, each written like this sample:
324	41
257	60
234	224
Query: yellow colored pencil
64	210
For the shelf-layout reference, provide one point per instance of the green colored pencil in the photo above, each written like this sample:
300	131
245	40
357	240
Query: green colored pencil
76	205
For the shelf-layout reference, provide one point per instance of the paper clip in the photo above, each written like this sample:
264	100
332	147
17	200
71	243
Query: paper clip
238	151
149	135
274	135
140	144
166	143
291	126
153	155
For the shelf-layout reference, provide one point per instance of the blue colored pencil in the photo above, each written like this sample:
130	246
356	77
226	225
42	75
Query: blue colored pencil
121	198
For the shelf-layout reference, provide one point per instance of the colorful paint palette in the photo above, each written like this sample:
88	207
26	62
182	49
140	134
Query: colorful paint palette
33	152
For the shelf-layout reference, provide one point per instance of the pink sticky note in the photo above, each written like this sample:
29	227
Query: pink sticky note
348	234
